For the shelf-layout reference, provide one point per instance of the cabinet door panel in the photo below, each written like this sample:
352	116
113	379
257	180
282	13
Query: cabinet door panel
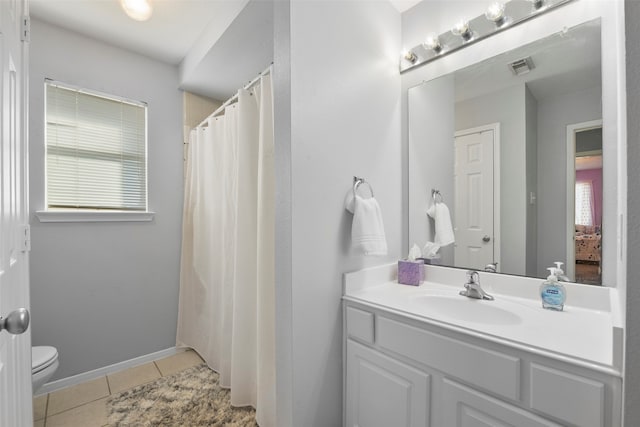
500	373
471	417
582	398
382	392
360	324
465	407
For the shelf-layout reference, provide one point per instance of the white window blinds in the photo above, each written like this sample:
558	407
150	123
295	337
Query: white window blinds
96	150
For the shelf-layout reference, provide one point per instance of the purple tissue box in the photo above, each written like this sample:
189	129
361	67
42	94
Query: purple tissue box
410	272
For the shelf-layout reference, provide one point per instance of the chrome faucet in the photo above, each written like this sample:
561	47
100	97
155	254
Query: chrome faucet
491	268
472	288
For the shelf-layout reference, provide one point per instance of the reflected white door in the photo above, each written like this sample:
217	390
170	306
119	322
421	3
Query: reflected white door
474	197
15	350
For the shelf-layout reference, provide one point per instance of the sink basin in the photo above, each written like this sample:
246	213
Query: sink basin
466	309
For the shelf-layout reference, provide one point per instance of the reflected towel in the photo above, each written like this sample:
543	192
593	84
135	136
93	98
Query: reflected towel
367	231
442	218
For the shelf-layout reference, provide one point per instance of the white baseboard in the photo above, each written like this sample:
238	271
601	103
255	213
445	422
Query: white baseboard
97	373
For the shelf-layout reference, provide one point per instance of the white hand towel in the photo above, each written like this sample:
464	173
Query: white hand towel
367	230
442	218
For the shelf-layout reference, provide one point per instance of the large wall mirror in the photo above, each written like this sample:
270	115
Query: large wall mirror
514	146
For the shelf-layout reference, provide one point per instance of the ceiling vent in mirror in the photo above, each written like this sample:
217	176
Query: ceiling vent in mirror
522	66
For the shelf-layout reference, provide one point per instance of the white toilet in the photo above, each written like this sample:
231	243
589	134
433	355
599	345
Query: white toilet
44	362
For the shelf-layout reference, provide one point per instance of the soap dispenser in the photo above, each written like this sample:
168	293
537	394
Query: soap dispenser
552	292
560	273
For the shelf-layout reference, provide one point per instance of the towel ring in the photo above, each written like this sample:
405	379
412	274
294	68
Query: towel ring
359	181
437	196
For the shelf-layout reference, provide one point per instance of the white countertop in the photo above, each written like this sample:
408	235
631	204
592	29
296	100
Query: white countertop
586	333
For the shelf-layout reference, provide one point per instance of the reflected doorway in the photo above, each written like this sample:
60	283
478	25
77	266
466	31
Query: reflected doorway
584	202
477	197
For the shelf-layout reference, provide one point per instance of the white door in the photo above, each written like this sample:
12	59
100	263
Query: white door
15	350
474	198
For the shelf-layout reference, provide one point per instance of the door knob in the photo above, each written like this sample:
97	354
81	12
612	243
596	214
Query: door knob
16	322
486	239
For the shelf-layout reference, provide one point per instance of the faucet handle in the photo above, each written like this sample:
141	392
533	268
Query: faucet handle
491	267
473	276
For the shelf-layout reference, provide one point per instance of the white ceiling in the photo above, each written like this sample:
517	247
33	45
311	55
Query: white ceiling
197	35
588	162
172	30
402	5
244	50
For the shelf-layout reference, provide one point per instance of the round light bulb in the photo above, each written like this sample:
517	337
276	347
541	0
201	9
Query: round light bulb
409	56
140	10
432	42
462	29
495	12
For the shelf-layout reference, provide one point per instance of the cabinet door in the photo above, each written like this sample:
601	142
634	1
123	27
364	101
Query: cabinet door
465	407
382	392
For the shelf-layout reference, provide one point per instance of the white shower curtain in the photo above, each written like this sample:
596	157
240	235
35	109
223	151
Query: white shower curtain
227	279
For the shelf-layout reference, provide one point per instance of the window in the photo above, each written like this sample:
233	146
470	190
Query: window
96	151
584	203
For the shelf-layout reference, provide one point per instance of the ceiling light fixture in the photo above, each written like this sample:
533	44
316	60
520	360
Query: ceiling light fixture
140	10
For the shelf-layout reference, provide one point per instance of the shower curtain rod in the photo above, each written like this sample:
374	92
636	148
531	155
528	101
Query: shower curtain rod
235	97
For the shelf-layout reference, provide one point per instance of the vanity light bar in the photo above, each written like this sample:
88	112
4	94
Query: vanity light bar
499	17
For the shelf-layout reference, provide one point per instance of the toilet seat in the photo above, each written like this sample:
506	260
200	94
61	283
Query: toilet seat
42	357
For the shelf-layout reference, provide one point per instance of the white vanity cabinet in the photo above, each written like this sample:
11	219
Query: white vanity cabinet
405	371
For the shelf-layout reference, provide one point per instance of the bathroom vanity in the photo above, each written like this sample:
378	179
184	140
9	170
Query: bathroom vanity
426	356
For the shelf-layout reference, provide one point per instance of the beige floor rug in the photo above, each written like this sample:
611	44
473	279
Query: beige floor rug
191	398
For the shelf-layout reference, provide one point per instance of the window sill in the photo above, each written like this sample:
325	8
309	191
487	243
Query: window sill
94	216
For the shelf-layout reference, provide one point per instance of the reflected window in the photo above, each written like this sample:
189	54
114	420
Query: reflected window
584	203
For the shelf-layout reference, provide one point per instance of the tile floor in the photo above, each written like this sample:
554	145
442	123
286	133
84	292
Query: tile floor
84	405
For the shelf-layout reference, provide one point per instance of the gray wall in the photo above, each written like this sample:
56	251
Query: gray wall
553	117
506	107
632	352
345	121
106	292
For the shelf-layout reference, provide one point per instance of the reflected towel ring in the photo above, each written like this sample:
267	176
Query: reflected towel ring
357	182
437	196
